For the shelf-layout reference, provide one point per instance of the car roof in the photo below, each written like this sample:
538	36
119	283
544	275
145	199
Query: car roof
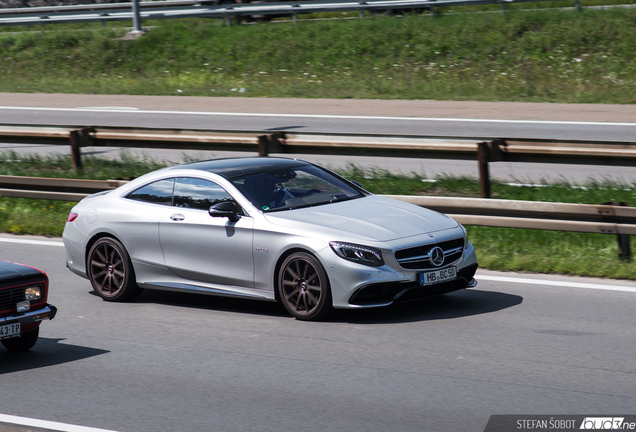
236	167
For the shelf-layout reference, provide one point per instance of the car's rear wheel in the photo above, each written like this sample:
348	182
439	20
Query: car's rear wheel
110	271
22	343
303	287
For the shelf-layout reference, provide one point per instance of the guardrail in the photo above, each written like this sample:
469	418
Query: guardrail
110	7
609	218
190	9
484	150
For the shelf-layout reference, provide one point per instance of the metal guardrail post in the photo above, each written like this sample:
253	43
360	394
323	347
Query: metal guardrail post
493	151
78	139
624	247
270	144
577	5
76	155
503	4
136	16
263	145
484	175
362	10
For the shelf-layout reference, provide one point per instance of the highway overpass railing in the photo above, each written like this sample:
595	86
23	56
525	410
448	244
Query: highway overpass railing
156	10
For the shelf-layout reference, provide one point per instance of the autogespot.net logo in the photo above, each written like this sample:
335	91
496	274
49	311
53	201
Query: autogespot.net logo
606	423
561	423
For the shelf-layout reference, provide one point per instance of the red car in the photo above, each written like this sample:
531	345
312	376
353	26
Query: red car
23	294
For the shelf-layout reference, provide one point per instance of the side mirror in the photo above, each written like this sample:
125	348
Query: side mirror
228	209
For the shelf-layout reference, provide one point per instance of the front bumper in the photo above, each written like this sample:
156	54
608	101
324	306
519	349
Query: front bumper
30	317
379	294
357	286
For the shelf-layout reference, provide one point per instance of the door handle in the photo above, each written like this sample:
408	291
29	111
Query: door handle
177	217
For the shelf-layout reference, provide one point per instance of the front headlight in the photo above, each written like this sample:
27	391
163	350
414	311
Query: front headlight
357	253
465	236
33	293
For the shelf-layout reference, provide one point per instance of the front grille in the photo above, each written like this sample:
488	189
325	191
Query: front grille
417	258
11	297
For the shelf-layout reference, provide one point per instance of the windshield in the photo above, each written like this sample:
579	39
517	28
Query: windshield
290	188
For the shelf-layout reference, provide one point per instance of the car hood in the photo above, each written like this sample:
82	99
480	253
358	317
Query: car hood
373	218
12	273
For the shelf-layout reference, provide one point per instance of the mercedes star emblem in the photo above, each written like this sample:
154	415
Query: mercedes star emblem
436	256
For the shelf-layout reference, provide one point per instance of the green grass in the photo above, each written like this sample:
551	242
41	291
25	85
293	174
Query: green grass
35	217
61	166
42	217
497	248
541	56
533	251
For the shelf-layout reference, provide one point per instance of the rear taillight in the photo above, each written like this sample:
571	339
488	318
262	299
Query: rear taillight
71	217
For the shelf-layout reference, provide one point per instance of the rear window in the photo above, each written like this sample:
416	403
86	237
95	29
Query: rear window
159	192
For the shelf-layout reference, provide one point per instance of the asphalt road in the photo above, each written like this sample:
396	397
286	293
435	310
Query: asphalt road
294	122
173	362
432	118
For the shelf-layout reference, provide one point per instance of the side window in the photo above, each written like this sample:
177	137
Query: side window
159	192
198	193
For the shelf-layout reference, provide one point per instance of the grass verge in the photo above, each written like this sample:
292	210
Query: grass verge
540	56
497	248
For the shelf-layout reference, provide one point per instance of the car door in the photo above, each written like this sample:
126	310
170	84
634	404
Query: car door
199	247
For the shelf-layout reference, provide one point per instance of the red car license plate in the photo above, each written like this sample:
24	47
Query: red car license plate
9	330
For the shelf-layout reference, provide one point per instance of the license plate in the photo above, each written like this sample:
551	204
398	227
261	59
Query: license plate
9	330
437	276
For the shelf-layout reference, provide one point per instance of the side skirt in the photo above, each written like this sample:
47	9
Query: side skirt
198	289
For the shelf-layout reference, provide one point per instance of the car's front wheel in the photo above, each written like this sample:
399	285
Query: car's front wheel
110	271
303	287
22	343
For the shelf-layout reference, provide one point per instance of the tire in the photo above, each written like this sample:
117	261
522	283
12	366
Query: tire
22	343
110	271
303	287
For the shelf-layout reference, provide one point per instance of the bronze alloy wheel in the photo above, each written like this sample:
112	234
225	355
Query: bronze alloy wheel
303	287
110	271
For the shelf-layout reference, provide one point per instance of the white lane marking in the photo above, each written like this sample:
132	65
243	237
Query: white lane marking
33	242
325	116
24	421
556	283
111	108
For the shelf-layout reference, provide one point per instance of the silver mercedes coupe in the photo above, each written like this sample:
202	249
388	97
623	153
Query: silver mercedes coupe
265	228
